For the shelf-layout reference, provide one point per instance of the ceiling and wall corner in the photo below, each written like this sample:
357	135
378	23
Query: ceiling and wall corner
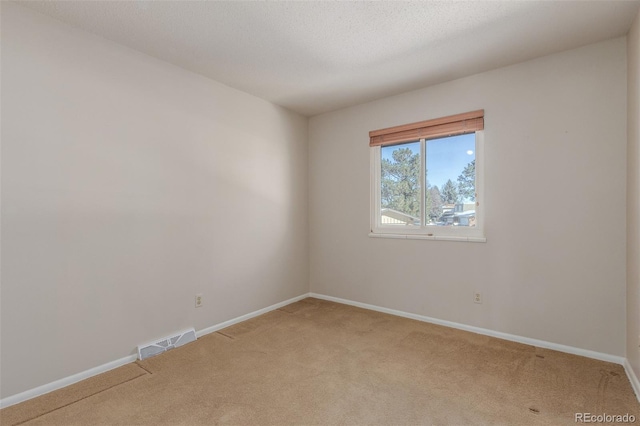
314	57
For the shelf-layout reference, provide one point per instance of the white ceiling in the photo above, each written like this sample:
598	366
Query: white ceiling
314	57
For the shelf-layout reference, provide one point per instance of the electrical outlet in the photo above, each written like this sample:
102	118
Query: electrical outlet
477	297
198	300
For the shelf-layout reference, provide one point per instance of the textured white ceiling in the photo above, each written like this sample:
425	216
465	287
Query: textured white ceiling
314	57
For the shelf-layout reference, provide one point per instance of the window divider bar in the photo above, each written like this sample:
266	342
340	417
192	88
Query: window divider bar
423	183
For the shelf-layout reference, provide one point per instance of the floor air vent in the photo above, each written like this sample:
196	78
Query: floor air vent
166	343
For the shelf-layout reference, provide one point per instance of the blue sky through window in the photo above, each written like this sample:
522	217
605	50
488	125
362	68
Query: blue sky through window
446	157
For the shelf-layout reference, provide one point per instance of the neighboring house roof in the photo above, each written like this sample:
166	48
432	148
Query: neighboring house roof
467	213
398	217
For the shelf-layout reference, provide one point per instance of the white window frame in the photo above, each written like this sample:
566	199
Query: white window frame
428	232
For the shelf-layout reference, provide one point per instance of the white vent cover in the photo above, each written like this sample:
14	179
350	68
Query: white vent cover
166	343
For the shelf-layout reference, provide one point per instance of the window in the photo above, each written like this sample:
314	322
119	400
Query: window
426	179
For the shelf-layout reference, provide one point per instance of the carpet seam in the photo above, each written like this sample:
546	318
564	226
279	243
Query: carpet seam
141	366
81	399
226	335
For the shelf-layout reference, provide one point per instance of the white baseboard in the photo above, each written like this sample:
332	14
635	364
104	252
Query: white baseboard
253	314
635	383
58	384
512	337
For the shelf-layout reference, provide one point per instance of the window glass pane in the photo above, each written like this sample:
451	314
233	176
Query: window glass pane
400	184
451	181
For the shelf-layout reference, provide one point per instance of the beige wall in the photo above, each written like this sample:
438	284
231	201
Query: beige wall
128	186
553	267
633	197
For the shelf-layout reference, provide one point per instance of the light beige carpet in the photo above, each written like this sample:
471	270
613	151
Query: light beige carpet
322	363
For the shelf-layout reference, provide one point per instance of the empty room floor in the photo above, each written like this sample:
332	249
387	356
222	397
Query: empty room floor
316	362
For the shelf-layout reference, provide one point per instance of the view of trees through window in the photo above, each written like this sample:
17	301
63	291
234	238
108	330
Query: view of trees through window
449	186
